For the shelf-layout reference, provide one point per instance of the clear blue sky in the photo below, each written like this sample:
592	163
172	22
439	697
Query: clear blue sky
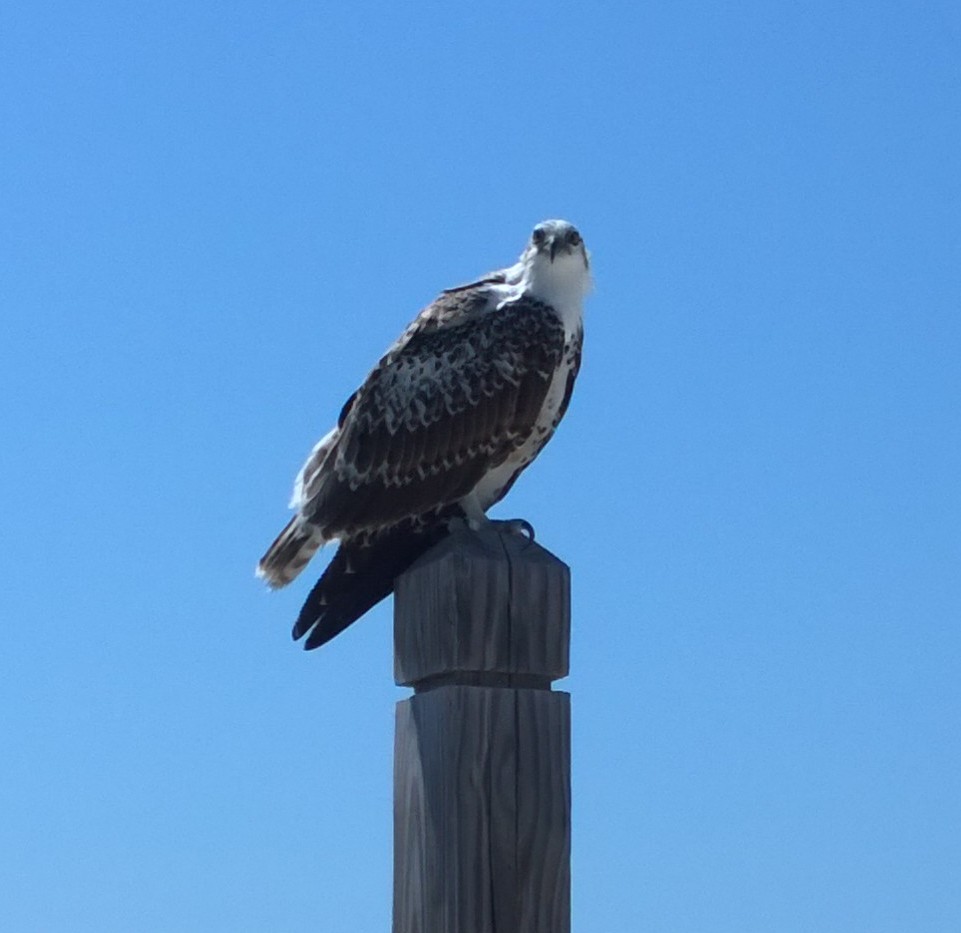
214	217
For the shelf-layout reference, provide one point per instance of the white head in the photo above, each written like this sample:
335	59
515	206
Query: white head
554	240
555	264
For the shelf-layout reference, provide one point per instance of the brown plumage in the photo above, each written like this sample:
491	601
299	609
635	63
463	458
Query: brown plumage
441	428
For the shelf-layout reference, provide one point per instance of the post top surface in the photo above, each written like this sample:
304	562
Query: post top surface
486	544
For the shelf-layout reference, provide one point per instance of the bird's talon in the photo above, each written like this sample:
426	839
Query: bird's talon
515	526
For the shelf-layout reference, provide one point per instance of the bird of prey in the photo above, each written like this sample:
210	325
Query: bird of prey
438	432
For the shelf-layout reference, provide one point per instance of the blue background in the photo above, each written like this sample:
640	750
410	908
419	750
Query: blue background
214	218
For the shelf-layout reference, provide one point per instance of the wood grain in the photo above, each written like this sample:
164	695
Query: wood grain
482	795
482	812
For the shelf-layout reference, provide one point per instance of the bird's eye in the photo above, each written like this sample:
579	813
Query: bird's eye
574	238
538	235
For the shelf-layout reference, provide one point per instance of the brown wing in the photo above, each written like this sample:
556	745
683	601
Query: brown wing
450	402
573	357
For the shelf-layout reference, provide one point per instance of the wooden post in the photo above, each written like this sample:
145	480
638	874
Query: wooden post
482	802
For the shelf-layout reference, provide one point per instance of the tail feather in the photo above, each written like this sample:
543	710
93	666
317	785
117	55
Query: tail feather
289	554
359	577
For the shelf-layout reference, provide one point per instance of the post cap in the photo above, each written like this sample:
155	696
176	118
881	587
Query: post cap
482	603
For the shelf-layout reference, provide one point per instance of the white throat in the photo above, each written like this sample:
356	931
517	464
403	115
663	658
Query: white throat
562	284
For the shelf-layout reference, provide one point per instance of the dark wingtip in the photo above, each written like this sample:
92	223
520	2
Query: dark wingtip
305	621
357	579
321	634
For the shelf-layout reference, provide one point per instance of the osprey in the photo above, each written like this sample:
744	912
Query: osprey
438	432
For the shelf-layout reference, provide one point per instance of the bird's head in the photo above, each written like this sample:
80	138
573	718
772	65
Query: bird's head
557	239
556	254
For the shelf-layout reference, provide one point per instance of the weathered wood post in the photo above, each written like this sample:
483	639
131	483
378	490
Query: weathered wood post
482	798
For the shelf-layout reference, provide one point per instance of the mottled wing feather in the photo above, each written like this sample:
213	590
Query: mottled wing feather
449	402
573	354
453	306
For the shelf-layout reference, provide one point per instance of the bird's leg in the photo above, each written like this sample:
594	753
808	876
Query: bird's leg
473	513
